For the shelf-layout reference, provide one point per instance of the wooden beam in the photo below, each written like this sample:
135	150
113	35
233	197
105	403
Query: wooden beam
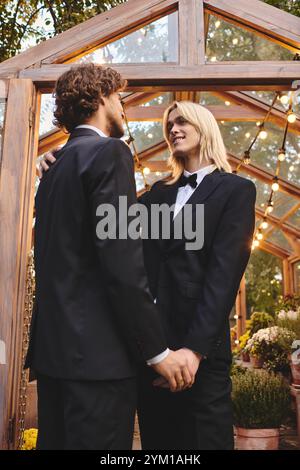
144	77
3	89
273	249
191	32
95	32
276	222
221	113
271	22
16	207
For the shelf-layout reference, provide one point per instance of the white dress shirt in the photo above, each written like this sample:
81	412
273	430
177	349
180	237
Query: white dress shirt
185	192
87	126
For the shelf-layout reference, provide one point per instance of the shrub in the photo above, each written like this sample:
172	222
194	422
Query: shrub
260	399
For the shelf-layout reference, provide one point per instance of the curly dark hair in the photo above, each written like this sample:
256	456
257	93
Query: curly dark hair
79	91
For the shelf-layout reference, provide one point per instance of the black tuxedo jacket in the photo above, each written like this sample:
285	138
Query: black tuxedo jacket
94	315
196	290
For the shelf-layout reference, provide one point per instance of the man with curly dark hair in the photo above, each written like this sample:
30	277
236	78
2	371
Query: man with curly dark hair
94	318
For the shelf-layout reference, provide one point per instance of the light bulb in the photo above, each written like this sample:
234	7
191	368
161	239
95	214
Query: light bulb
217	23
263	134
291	168
213	59
256	243
146	170
258	123
284	99
150	135
259	236
236	317
264	224
270	207
247	135
235	41
236	341
227	103
281	155
291	117
275	185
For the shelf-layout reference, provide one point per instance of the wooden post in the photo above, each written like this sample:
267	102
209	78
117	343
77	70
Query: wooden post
191	32
16	209
241	308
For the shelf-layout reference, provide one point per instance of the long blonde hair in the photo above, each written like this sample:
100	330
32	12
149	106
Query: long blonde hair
211	142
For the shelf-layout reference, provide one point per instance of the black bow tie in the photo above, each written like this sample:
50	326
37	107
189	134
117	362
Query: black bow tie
191	180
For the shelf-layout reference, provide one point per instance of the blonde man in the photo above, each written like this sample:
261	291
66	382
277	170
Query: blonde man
195	290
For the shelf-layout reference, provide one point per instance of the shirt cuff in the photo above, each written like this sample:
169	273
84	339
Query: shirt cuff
160	357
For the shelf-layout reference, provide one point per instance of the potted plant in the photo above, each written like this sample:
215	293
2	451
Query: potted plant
271	348
259	320
261	401
291	320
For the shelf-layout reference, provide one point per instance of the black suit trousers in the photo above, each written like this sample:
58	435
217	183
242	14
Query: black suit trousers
196	419
85	415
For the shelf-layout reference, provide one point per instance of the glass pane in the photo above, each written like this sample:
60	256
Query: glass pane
151	178
162	156
46	116
2	118
163	99
238	135
294	219
155	42
207	98
145	133
227	42
267	97
282	202
279	239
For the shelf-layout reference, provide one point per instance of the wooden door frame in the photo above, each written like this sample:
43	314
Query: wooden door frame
20	142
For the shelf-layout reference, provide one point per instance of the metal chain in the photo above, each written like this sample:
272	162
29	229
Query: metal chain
29	299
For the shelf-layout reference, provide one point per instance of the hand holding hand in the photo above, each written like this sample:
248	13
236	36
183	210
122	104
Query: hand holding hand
175	371
193	362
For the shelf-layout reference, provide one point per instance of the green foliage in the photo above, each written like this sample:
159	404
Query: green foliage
18	19
263	290
259	320
290	6
260	399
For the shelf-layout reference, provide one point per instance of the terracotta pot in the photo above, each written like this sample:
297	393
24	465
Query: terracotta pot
245	357
257	439
295	369
256	362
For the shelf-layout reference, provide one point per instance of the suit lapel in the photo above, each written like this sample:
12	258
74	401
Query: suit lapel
207	186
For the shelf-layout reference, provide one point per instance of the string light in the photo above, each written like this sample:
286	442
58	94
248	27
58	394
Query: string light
146	171
281	154
217	24
139	167
284	99
263	133
275	185
259	235
291	117
227	103
264	224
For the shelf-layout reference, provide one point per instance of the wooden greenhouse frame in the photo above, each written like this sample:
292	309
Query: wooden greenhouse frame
25	77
